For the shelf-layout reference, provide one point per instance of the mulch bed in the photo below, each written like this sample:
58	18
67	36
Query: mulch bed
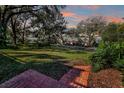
109	78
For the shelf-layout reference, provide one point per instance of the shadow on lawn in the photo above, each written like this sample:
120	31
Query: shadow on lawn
42	56
32	57
9	68
71	51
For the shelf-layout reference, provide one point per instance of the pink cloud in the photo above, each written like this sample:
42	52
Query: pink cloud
73	15
114	19
67	14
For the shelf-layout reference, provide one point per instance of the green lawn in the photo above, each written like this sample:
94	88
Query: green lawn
50	61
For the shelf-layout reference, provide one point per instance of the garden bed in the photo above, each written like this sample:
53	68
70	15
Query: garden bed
109	78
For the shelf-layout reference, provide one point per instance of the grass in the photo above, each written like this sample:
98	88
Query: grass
49	61
49	54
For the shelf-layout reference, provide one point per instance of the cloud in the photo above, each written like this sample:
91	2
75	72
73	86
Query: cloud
88	7
73	15
71	26
74	18
114	19
91	7
67	14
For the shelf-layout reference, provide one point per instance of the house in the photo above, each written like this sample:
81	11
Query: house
81	40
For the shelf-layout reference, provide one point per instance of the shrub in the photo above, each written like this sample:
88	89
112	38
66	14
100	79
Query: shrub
119	64
102	45
106	57
110	53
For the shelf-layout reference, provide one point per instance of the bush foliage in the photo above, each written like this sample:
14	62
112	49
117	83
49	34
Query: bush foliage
110	53
106	57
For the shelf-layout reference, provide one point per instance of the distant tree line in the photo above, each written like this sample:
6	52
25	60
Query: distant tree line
92	26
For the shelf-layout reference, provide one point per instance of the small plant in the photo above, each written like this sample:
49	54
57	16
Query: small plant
119	64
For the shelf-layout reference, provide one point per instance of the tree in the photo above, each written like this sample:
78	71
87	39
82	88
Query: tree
14	24
7	12
17	18
110	33
114	35
49	24
18	25
90	26
120	32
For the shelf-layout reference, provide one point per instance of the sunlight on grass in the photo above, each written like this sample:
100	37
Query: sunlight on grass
44	55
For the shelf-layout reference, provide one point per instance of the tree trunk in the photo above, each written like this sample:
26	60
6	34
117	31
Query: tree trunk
49	40
14	37
13	24
3	35
23	37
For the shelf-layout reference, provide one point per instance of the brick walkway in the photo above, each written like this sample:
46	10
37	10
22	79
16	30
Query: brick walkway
75	78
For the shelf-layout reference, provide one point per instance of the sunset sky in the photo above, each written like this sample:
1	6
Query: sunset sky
75	13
